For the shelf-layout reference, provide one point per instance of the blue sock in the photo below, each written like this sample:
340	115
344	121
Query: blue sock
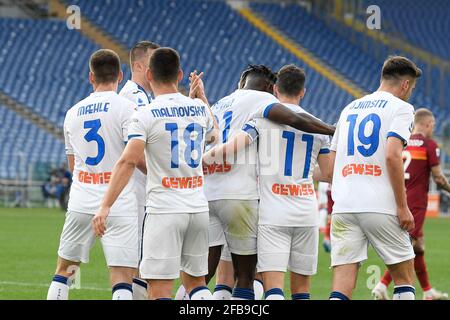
139	282
301	296
61	279
244	294
221	287
404	293
335	295
274	292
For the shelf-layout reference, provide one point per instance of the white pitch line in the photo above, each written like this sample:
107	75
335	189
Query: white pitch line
46	285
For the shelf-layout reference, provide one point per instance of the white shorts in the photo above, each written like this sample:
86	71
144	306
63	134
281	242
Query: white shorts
351	234
120	241
174	242
235	223
293	248
226	254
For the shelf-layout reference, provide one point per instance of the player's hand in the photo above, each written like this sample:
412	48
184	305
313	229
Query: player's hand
405	219
197	89
99	222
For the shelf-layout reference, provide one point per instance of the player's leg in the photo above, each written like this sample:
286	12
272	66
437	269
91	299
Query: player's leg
161	252
348	250
216	237
274	245
300	286
120	246
258	286
420	267
194	257
394	247
240	218
225	277
303	260
140	290
76	241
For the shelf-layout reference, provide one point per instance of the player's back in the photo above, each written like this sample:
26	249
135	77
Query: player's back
134	92
95	132
420	156
361	181
287	158
174	128
237	178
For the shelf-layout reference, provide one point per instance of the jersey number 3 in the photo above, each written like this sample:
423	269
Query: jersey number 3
92	135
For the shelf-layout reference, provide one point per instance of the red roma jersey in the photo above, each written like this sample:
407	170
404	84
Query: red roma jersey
420	156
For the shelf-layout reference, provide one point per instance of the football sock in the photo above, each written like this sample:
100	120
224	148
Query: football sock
404	293
386	279
139	289
122	291
301	296
336	295
243	294
258	289
421	271
275	294
59	288
200	293
181	293
222	292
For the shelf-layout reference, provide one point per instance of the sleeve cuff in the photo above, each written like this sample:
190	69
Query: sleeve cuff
324	151
251	131
135	136
396	135
267	110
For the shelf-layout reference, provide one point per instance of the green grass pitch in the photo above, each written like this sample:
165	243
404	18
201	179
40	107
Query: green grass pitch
29	241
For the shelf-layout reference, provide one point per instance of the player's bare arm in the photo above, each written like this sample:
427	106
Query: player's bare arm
301	121
439	178
394	163
219	153
324	171
71	162
121	174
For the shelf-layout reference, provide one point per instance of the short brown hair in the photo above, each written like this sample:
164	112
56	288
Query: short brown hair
291	80
165	65
421	114
105	65
140	49
397	66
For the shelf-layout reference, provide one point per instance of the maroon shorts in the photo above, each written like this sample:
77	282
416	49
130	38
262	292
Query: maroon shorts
419	219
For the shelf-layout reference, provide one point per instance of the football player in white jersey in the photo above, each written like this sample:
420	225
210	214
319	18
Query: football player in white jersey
95	131
368	183
138	90
172	130
231	186
288	231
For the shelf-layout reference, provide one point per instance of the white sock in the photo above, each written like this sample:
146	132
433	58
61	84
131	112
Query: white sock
222	292
59	290
275	294
259	290
180	294
201	293
122	291
139	289
404	293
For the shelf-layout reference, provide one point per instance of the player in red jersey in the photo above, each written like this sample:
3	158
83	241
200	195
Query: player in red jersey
421	159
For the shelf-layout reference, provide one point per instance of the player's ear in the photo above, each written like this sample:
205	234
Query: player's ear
120	76
275	91
148	75
180	75
303	93
91	78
